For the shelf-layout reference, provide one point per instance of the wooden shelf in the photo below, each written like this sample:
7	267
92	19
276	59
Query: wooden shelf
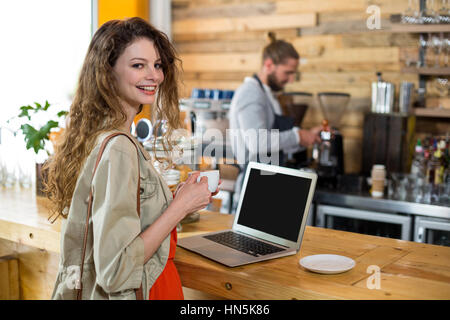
395	25
419	28
427	71
431	112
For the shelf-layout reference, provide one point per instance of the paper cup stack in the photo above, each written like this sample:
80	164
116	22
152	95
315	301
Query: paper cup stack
378	178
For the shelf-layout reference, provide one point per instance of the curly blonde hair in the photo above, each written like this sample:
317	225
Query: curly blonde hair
96	107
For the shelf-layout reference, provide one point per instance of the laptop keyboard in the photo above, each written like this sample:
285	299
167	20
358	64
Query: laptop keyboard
243	243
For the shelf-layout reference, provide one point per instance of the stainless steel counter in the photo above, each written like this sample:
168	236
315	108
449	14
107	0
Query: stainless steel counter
362	201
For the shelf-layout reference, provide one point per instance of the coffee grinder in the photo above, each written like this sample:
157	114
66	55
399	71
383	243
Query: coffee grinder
329	153
295	105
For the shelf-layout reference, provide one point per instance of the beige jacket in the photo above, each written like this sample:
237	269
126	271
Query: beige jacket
114	263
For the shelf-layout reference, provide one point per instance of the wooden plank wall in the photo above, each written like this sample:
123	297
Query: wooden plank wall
220	42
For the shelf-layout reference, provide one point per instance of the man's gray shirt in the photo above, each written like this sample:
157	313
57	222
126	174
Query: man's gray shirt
251	110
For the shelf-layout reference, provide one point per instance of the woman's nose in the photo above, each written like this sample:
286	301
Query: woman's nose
153	74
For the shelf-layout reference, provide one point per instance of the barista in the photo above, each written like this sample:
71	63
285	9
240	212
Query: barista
254	107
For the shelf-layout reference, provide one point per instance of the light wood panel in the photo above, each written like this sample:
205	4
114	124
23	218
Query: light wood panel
283	6
221	62
233	10
381	39
249	23
9	278
341	6
366	56
321	6
337	59
307	78
311	45
238	35
220	46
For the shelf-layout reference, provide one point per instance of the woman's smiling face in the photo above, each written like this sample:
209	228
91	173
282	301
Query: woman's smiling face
138	73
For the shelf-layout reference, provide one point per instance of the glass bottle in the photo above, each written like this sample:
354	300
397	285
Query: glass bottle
434	175
445	188
418	162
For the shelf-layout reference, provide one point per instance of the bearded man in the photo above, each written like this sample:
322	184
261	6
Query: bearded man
259	132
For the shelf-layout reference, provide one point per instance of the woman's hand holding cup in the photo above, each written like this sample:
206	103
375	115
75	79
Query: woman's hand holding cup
195	193
213	180
192	195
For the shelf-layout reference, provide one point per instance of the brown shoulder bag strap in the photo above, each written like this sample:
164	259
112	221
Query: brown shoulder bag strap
139	293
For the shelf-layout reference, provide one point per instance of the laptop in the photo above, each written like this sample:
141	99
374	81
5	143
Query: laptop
269	222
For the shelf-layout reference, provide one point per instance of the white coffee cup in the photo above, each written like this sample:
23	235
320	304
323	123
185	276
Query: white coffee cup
213	179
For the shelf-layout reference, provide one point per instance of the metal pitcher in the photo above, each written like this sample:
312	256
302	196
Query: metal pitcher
405	97
383	94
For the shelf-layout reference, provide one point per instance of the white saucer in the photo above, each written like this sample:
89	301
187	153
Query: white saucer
327	263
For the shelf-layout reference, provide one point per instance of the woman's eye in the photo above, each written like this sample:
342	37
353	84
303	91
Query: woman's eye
158	66
138	65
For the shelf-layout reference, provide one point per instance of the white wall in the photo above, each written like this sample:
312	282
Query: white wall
42	47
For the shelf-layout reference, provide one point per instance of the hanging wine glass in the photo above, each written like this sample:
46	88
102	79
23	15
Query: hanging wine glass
417	18
429	14
442	85
408	15
443	13
446	52
443	56
436	44
421	62
428	52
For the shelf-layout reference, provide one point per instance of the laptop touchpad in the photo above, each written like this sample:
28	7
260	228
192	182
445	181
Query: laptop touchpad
222	253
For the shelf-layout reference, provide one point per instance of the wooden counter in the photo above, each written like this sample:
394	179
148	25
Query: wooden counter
409	270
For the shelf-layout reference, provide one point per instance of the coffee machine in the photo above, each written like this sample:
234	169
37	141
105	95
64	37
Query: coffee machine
329	153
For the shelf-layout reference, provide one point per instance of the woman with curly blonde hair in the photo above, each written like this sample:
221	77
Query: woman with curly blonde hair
100	177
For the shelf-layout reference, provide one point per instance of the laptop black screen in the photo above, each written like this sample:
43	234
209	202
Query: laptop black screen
274	203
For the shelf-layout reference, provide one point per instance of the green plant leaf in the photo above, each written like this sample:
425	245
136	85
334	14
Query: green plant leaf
62	113
32	138
27	129
38	107
47	105
25	110
35	138
45	130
